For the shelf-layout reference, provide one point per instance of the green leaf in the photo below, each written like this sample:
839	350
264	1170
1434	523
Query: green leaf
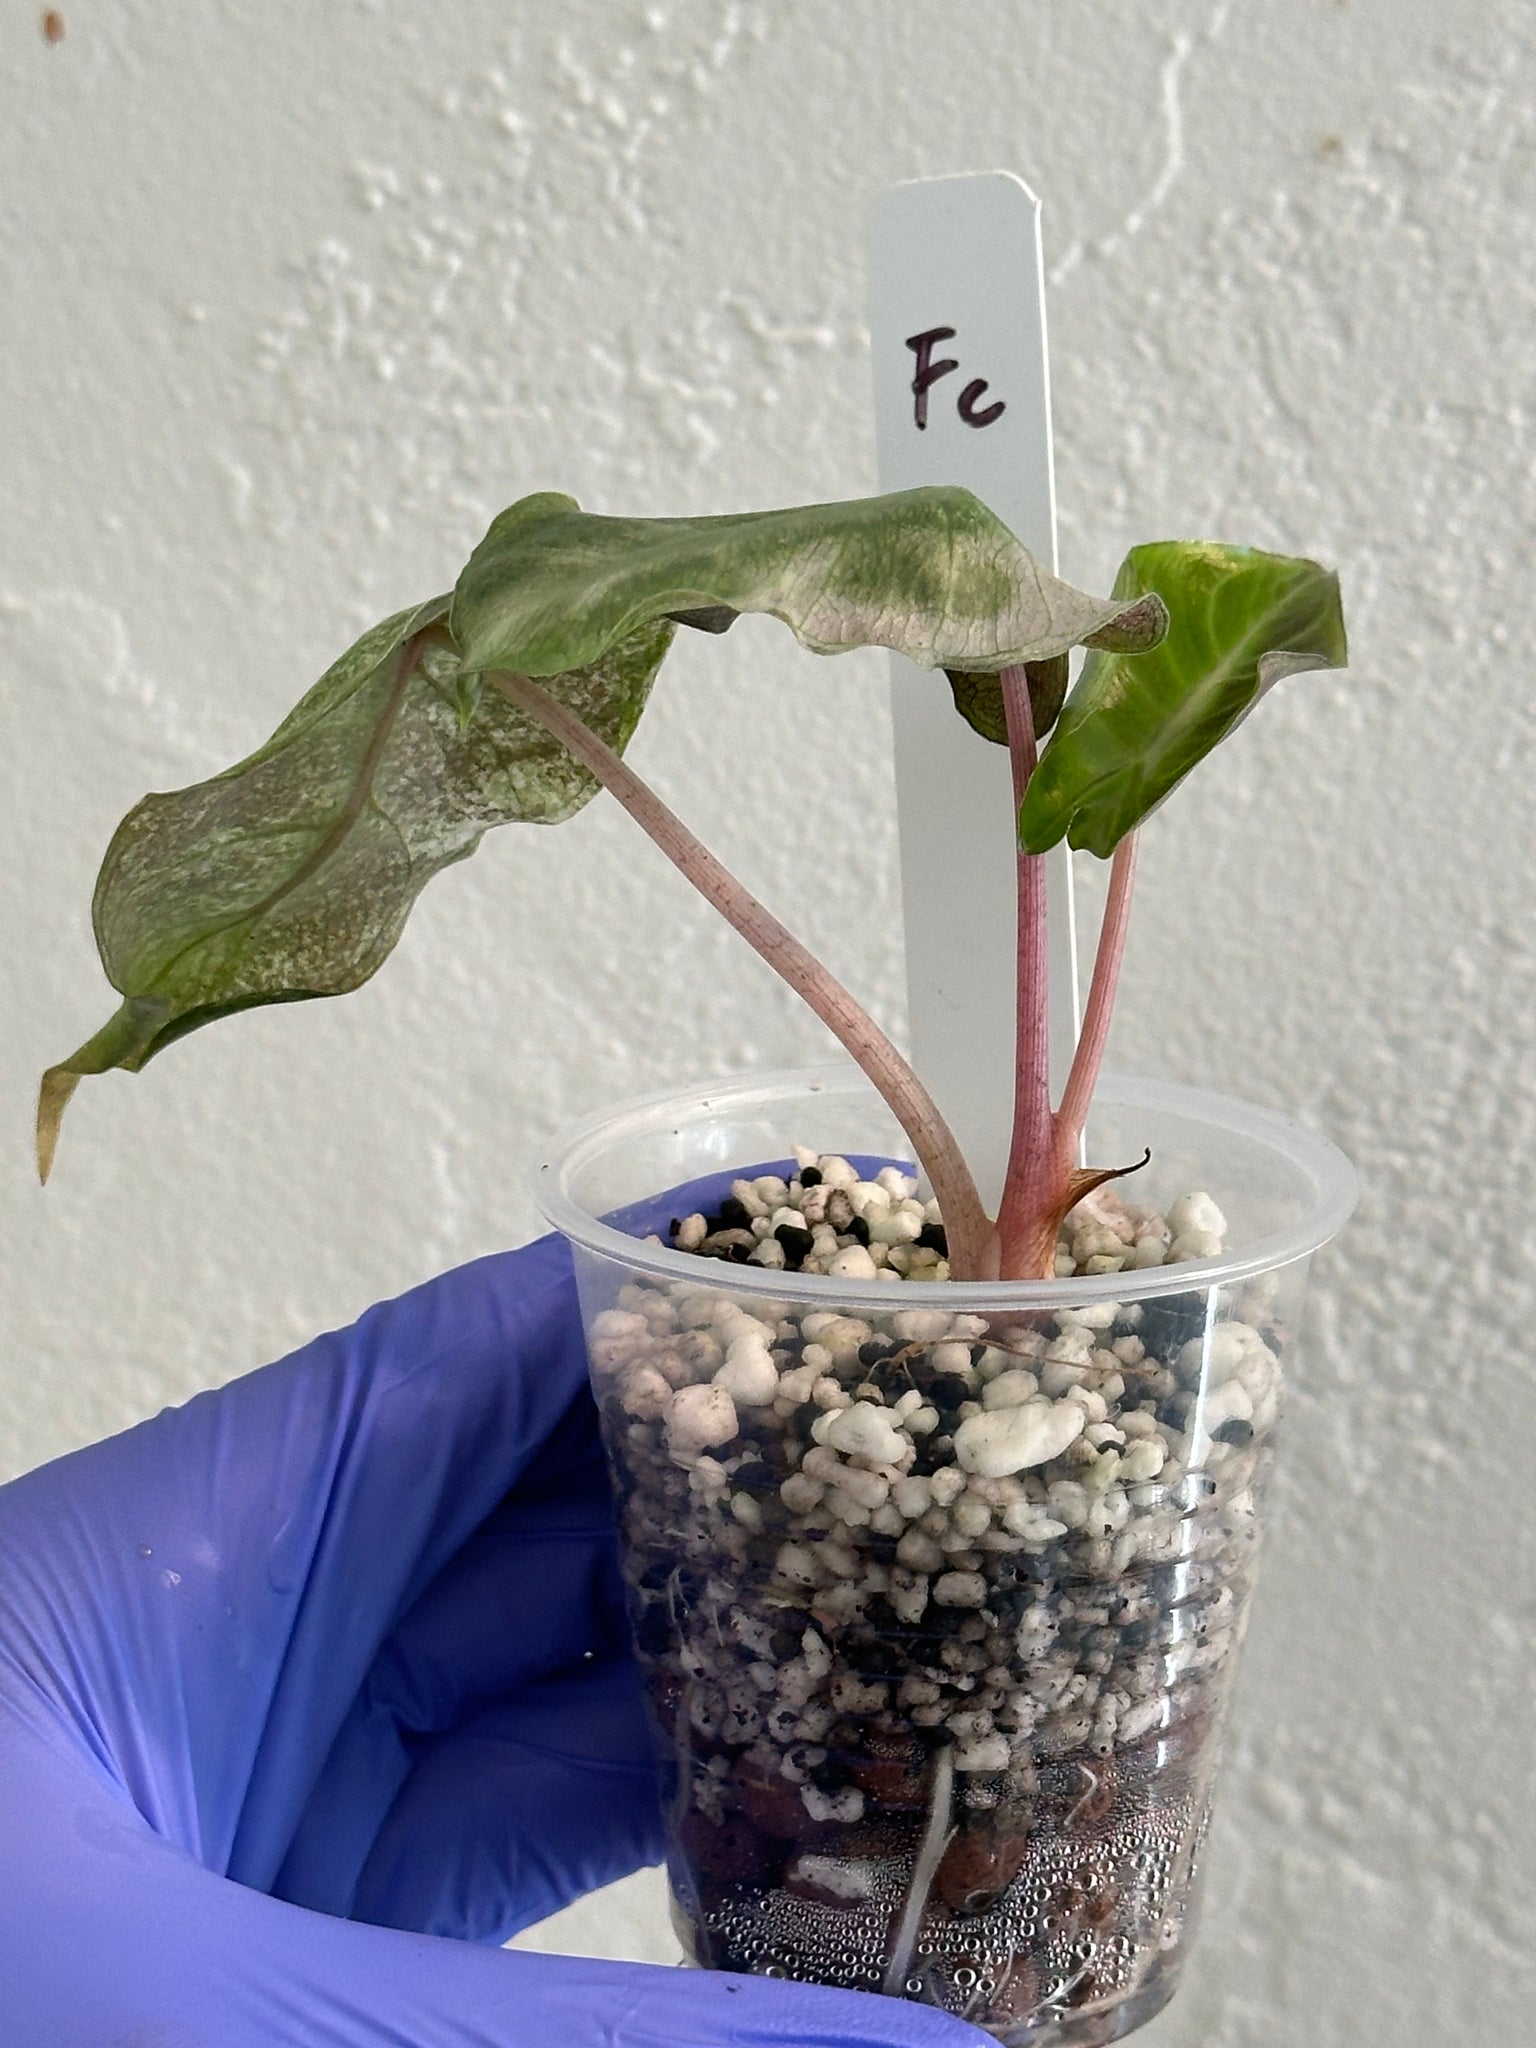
931	573
292	874
1136	724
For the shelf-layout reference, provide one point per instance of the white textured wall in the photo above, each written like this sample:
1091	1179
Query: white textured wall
296	296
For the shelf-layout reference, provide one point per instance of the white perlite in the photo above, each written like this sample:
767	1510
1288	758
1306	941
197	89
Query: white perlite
698	1418
864	1431
749	1374
1001	1441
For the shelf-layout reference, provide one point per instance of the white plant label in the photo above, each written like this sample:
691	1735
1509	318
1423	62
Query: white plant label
962	396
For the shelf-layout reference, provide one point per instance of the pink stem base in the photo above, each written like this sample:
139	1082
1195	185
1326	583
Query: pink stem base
1026	1224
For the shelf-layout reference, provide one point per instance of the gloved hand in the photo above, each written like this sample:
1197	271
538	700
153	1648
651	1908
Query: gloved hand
342	1644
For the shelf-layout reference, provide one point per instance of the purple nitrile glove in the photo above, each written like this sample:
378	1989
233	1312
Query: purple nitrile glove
343	1644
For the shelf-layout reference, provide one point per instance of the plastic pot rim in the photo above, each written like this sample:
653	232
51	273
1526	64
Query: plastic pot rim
1335	1192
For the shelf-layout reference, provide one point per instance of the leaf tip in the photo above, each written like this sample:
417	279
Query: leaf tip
1042	820
1136	628
58	1085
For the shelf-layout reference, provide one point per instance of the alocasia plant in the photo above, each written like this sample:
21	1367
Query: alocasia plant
292	874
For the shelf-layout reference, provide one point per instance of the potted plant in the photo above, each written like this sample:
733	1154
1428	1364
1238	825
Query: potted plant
939	1526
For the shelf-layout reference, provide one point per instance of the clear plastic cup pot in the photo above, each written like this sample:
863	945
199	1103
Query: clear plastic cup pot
938	1588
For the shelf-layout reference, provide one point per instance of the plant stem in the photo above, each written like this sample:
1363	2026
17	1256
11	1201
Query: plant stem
1037	1170
967	1225
1089	1055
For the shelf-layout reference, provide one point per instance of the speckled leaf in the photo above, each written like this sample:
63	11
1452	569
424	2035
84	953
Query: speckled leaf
931	573
1136	724
292	874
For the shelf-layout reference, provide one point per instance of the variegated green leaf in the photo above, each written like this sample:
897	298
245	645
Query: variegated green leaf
1136	724
931	573
292	874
